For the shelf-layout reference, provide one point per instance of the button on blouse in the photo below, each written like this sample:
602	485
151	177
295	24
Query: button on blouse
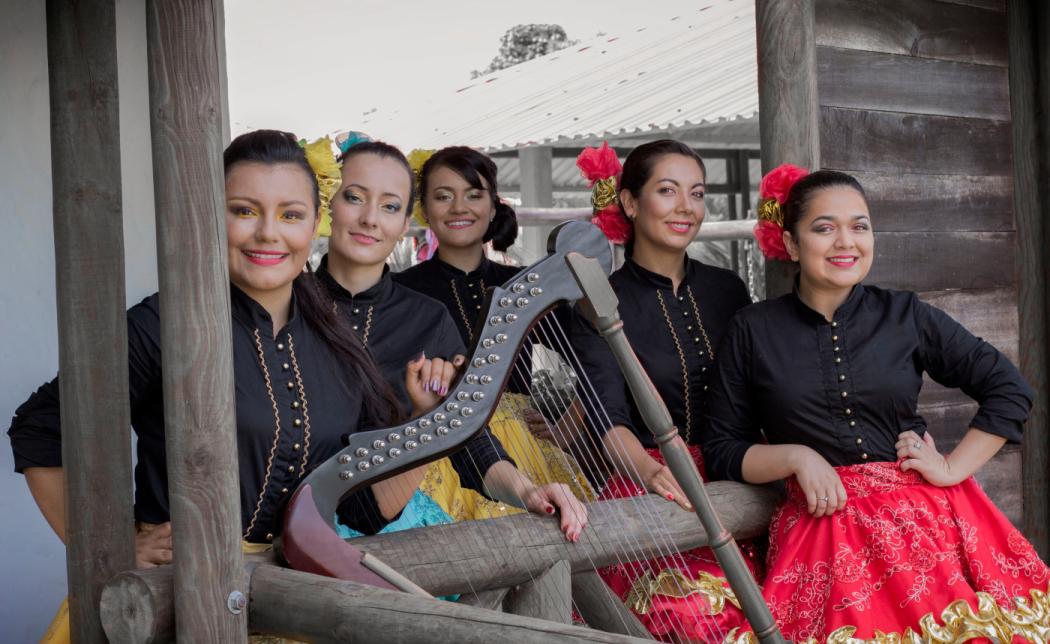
848	387
674	334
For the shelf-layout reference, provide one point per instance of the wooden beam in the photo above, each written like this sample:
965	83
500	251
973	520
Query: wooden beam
186	66
89	279
548	596
601	608
305	607
1028	78
476	556
488	599
537	190
787	99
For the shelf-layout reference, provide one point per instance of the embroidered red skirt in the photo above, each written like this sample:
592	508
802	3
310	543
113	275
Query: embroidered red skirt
904	558
682	596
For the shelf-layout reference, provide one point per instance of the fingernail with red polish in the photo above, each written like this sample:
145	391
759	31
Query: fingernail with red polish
550	510
670	497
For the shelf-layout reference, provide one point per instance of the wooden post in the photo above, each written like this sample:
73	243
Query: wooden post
92	327
602	608
537	190
1029	75
186	64
548	596
789	114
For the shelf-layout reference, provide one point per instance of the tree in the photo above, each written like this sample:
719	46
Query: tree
525	42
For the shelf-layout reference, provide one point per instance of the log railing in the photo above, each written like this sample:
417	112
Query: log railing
449	559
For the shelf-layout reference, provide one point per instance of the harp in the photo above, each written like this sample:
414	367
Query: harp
576	268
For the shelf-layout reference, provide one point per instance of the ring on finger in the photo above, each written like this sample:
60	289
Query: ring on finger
823	499
916	444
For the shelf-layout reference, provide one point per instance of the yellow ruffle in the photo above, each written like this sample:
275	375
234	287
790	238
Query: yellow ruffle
1029	618
674	583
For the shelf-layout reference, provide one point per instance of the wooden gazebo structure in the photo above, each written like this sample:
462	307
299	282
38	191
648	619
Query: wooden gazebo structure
941	106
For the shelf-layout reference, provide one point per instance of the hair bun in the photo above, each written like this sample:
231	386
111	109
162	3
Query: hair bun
503	229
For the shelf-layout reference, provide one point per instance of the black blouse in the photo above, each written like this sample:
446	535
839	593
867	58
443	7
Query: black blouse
295	405
848	387
674	335
396	323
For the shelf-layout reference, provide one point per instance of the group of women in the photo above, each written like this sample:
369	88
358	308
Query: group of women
879	536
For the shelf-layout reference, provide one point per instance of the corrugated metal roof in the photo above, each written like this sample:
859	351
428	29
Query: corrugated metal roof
694	69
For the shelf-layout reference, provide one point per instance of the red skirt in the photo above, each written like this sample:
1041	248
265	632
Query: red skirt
904	559
683	596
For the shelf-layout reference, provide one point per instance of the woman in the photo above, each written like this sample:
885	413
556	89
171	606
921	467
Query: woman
459	201
881	535
674	310
370	213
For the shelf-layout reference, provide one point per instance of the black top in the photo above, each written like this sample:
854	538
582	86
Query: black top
294	403
396	323
463	294
674	336
848	387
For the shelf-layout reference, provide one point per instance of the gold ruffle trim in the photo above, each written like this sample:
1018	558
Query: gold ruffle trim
674	583
603	193
770	210
1028	618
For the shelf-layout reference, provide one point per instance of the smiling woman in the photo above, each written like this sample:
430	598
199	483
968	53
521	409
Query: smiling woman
881	535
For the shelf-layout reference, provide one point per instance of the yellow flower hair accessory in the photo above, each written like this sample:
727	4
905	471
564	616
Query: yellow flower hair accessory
416	159
329	175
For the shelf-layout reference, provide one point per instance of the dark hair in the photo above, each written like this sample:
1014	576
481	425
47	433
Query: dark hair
803	190
385	151
273	147
474	167
638	169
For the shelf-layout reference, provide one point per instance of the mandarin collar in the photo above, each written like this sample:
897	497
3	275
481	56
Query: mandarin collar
645	276
844	312
244	309
482	269
372	295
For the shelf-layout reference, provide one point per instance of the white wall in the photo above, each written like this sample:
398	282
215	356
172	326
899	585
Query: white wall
32	560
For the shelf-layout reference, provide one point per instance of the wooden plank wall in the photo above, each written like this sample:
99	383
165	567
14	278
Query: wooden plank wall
914	101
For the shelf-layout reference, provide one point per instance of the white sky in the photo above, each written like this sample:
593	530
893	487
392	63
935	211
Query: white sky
316	66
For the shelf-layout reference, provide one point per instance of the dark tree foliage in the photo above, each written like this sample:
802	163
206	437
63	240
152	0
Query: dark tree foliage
525	42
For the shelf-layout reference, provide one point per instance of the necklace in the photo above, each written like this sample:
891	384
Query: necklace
681	354
277	420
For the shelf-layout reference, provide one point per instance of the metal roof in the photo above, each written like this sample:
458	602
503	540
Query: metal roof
691	70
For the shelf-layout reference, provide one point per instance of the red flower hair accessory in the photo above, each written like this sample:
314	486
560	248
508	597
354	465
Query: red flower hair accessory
773	190
601	167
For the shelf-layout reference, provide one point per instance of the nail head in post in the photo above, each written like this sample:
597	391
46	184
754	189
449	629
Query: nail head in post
425	438
533	277
423	423
344	459
346	475
410	431
518	288
378	444
505	302
439	417
512	317
236	602
462	395
411	445
486	380
522	302
361	452
493	358
442	431
394	437
467	411
479	362
378	460
487	343
394	452
495	319
455	423
453	407
471	378
501	337
363	465
478	396
535	291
